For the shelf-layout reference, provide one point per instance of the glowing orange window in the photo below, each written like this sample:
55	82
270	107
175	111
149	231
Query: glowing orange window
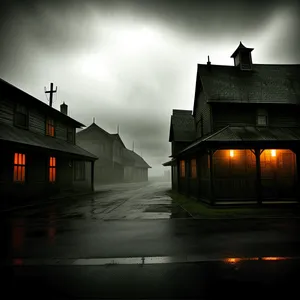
19	167
52	169
193	168
182	168
50	127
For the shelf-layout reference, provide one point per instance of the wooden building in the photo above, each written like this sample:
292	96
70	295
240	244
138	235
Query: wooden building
39	154
243	134
116	163
137	168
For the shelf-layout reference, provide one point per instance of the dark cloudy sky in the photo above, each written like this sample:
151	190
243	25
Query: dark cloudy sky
132	62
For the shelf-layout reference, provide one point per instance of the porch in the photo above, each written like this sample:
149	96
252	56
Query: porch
238	176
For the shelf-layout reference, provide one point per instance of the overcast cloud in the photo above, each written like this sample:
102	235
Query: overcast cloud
132	62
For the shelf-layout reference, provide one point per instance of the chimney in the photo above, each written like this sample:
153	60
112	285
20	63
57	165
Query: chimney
64	109
208	62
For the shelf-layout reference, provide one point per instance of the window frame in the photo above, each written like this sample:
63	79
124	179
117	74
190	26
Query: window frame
47	125
182	168
18	165
262	113
16	112
52	166
193	175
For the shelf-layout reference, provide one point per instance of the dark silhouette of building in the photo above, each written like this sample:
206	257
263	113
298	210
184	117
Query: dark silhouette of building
116	163
39	155
241	141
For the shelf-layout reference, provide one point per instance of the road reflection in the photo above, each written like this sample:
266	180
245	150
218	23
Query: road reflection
234	260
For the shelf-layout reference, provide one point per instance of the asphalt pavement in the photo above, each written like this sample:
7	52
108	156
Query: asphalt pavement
131	241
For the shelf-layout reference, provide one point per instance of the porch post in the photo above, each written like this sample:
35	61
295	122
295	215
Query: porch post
258	177
178	174
211	178
297	152
92	175
172	176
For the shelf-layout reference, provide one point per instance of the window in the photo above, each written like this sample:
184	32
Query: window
52	169
70	135
19	167
194	168
50	127
182	168
21	116
262	118
79	170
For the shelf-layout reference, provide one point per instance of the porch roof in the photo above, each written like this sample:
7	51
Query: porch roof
169	163
25	137
248	134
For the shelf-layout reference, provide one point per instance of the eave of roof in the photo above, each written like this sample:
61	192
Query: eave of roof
239	135
13	134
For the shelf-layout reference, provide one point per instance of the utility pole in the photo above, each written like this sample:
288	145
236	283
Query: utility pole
133	146
118	129
93	119
51	92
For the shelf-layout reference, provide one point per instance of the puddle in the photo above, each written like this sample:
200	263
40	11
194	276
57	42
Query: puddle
73	216
174	211
146	260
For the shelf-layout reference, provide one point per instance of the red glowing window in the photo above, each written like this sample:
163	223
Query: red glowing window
52	169
19	167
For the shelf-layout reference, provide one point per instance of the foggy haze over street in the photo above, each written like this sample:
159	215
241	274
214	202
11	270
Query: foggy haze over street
129	63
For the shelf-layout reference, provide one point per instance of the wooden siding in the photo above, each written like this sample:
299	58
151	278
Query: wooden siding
202	109
117	152
6	111
283	116
36	121
237	114
234	177
233	114
179	146
203	177
86	183
60	131
278	174
175	177
96	143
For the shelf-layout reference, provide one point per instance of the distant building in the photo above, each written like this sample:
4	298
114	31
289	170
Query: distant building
241	142
115	163
39	155
136	171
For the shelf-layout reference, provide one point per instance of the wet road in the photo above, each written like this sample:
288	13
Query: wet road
82	246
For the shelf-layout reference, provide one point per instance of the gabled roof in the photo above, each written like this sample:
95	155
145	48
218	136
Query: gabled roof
182	126
25	137
15	94
96	128
92	127
263	84
117	137
139	162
